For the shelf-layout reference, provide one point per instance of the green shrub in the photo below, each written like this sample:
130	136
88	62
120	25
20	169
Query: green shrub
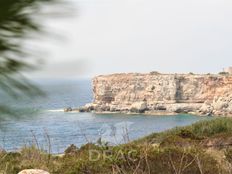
155	73
212	127
223	73
198	130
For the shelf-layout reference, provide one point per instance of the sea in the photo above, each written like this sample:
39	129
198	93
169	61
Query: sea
40	120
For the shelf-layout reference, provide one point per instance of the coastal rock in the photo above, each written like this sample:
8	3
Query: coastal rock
184	107
206	108
69	109
139	107
89	107
220	106
103	108
33	171
155	93
114	108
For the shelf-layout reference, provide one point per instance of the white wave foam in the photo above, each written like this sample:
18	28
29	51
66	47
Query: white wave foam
56	110
62	110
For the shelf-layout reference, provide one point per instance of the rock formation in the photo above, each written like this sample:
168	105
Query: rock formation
162	94
33	171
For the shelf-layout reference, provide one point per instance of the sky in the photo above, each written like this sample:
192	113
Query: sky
112	36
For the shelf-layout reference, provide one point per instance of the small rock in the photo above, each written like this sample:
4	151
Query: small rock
209	114
69	109
33	171
138	107
82	109
87	108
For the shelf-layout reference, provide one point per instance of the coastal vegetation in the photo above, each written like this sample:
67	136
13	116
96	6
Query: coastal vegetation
204	147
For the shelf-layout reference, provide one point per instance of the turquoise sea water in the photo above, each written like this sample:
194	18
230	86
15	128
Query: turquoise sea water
43	119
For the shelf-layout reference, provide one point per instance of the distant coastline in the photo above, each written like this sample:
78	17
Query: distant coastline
162	94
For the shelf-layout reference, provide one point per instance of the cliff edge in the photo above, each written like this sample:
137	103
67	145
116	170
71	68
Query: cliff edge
156	93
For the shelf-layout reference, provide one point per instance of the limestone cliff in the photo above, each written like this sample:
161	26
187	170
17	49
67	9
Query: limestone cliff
163	93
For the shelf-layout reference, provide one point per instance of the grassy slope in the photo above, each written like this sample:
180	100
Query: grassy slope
200	130
203	147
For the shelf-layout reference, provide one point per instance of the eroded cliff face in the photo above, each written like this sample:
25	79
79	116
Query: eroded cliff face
166	93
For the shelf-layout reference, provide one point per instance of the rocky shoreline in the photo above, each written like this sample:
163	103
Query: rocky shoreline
181	108
161	94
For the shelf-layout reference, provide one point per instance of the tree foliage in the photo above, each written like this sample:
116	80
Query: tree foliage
16	23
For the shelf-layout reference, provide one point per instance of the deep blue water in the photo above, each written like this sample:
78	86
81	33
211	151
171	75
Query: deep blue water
43	117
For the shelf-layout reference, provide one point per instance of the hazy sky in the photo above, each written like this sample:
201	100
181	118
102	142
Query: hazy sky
108	36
